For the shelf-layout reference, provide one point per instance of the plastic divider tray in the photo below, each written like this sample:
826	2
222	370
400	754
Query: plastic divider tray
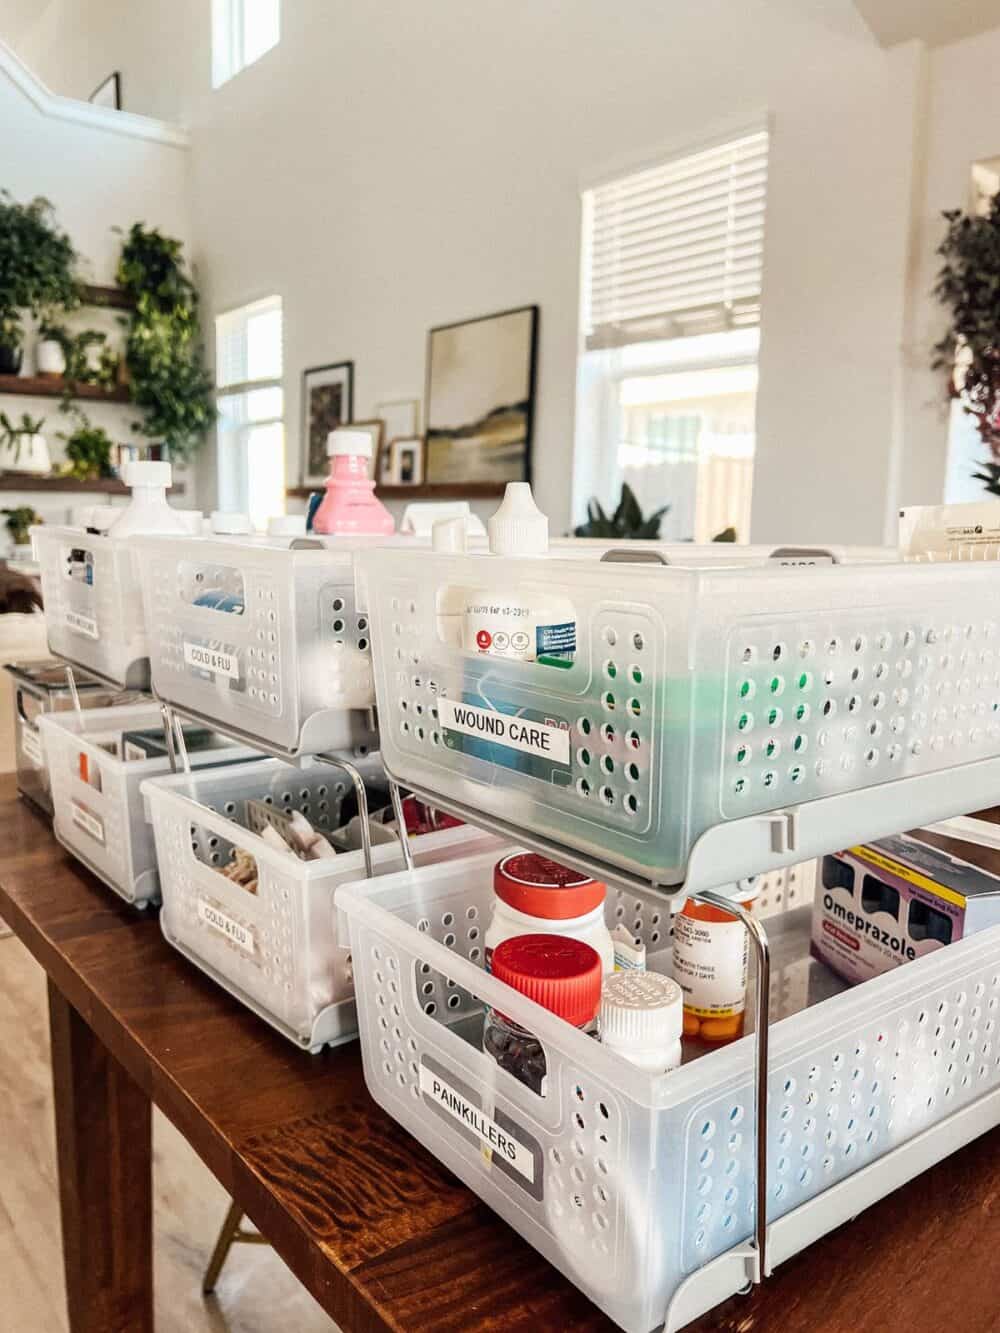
640	1187
698	699
101	820
261	637
274	949
93	604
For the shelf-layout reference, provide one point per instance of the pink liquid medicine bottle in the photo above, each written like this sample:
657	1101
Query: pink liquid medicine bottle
349	507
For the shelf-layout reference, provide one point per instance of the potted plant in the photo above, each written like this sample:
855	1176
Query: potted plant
37	263
50	355
22	446
164	356
19	521
88	451
627	523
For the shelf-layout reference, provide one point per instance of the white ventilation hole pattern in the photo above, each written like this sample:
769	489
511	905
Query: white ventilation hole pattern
460	929
845	1104
582	1172
611	731
649	919
785	889
396	1049
846	705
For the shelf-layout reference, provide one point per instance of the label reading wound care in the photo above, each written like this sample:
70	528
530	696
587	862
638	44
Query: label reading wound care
215	660
536	738
31	745
84	625
88	822
711	960
500	1141
225	925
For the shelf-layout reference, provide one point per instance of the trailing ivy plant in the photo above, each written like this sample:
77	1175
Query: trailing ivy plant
37	265
164	354
80	366
88	449
968	285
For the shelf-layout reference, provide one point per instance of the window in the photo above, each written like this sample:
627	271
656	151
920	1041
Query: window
670	307
251	401
242	31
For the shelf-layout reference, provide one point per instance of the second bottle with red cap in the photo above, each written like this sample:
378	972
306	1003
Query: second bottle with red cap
537	896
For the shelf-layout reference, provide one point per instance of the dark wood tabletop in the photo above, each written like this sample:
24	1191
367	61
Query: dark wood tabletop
381	1235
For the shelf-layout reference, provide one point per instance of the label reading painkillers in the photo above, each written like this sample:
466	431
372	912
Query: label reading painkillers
88	822
225	925
31	745
85	625
500	1141
537	738
216	660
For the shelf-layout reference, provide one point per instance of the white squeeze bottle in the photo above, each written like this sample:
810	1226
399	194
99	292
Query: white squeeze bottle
527	623
148	511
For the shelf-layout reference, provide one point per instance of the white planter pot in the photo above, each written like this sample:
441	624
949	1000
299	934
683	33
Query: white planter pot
32	458
49	358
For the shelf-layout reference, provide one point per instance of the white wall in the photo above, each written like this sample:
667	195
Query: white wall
389	167
99	171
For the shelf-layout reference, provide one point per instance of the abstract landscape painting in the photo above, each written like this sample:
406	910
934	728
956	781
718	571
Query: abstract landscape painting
480	399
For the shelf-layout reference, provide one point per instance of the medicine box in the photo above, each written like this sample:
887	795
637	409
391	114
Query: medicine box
892	901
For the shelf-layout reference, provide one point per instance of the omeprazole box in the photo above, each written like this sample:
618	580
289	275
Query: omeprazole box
892	901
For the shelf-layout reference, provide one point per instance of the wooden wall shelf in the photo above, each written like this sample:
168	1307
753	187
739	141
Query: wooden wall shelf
54	386
110	298
474	490
22	481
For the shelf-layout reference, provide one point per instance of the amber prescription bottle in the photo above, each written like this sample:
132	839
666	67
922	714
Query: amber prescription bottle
711	965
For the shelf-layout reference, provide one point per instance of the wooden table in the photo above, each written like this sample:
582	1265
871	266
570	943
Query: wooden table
381	1235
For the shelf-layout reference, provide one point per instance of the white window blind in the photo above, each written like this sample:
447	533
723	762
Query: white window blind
676	249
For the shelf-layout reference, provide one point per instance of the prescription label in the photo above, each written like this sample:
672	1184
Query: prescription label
80	624
711	963
540	739
241	936
89	823
31	746
216	660
506	1146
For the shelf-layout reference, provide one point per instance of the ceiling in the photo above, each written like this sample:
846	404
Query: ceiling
934	22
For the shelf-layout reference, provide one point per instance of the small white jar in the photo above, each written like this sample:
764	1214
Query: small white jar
536	896
642	1018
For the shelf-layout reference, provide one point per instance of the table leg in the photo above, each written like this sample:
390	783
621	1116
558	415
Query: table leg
104	1148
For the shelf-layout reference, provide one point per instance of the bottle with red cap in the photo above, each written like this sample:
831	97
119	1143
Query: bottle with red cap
536	896
564	976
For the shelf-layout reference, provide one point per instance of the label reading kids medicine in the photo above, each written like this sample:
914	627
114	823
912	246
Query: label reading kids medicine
225	925
88	822
32	746
516	733
219	662
711	960
84	625
500	1141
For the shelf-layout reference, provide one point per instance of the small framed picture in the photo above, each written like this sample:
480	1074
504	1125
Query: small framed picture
327	402
406	461
108	93
401	417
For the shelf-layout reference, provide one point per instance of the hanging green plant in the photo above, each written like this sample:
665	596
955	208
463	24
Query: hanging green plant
164	355
968	285
37	266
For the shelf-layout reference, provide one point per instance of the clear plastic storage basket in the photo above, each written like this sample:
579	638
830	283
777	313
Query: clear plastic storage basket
640	1187
93	603
275	948
99	815
696	698
261	636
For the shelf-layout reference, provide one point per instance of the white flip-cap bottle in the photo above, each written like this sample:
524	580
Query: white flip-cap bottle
148	511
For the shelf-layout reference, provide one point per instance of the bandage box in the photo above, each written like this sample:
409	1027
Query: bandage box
891	901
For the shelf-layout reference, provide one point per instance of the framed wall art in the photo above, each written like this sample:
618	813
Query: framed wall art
327	402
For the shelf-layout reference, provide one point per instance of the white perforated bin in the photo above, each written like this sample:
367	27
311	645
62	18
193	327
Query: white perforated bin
696	698
93	603
100	818
260	636
632	1184
276	949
